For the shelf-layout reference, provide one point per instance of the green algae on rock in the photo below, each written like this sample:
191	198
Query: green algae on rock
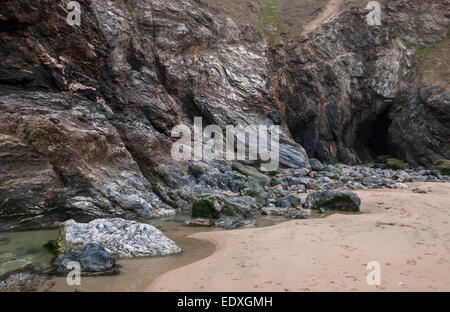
333	200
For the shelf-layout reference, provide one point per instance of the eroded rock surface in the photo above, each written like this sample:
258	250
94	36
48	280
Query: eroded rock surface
92	257
119	237
86	112
333	200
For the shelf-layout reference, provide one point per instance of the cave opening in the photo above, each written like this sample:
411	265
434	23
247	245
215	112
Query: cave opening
372	138
378	142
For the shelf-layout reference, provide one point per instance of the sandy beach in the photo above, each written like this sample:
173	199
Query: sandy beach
407	233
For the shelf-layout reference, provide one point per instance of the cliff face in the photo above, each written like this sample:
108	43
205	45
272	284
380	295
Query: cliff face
352	90
86	111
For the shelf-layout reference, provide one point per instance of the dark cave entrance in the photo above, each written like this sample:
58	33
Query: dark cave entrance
372	138
378	142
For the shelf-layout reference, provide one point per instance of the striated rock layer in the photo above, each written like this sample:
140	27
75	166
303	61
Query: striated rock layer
119	238
86	112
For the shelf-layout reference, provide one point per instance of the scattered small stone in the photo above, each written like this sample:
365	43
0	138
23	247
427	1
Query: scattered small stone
291	181
372	180
400	186
324	181
197	222
419	191
25	282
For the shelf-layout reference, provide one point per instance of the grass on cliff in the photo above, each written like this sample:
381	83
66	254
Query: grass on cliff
433	64
275	18
270	22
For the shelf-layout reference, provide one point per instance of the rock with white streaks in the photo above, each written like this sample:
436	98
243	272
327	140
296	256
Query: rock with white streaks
119	237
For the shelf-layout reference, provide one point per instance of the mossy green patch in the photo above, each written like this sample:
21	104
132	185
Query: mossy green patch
52	247
395	164
241	171
335	174
370	163
270	22
251	193
424	51
57	246
273	173
210	207
409	44
394	33
274	181
339	202
443	166
326	203
252	188
204	208
227	211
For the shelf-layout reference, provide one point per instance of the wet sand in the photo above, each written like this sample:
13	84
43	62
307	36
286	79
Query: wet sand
407	233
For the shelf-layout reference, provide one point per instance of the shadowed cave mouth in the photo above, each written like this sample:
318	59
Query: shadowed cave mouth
372	138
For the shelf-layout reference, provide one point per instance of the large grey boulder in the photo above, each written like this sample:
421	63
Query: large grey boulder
333	200
119	237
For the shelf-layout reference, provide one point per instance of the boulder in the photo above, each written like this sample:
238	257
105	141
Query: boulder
333	200
288	201
92	257
231	223
119	237
330	172
214	206
401	186
197	222
419	191
252	187
273	211
372	180
316	164
291	181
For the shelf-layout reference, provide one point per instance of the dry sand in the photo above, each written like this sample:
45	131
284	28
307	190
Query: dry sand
407	233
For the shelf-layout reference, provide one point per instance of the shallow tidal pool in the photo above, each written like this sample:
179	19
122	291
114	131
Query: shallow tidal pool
25	251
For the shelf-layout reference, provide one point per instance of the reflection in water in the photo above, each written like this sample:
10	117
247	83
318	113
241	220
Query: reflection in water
23	249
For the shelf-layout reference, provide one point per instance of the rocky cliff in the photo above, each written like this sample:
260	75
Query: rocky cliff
86	112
